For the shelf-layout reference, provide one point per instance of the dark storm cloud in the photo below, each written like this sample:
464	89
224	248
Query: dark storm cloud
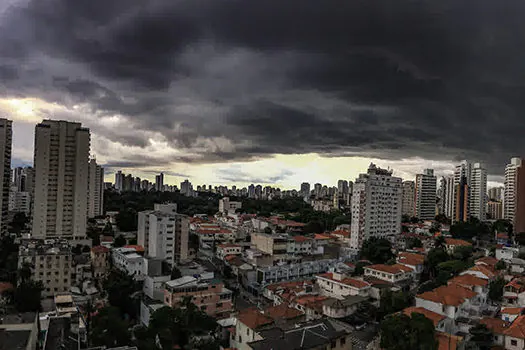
435	79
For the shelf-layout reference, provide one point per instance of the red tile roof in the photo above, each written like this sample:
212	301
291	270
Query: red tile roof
343	233
100	249
411	259
319	236
5	286
469	280
448	341
487	260
432	316
512	310
484	269
456	242
282	311
392	269
453	295
301	238
517	328
496	325
253	318
138	248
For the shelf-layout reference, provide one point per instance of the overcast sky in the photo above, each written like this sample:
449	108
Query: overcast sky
270	91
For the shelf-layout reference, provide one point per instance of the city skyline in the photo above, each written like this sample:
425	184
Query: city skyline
218	99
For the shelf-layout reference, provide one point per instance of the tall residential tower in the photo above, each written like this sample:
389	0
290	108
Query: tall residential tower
426	195
6	138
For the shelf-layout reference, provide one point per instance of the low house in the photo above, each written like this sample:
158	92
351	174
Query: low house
338	286
130	261
452	243
453	301
300	245
488	261
412	260
509	314
481	271
396	273
100	261
506	253
228	249
288	291
449	341
249	324
311	305
514	292
515	335
441	322
517	265
498	328
342	235
340	308
472	282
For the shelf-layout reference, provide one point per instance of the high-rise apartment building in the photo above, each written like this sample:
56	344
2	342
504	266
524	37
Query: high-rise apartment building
519	214
159	182
408	206
61	180
496	193
6	140
164	233
186	188
95	189
449	198
478	192
119	181
510	183
376	206
305	189
461	201
318	190
494	210
425	202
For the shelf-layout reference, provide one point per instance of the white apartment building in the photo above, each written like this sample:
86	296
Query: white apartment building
409	193
164	233
228	207
449	198
376	206
61	180
95	189
478	192
19	202
128	260
6	139
509	194
426	195
337	285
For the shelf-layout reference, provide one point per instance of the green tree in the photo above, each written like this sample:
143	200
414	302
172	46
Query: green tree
434	258
27	296
463	253
313	227
401	332
120	289
480	338
19	223
449	269
520	238
496	289
109	329
268	230
120	241
175	273
442	218
127	220
414	242
108	229
24	273
439	242
500	265
377	250
359	268
392	302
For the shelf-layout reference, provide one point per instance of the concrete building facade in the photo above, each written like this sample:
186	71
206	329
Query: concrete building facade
6	140
95	189
425	199
61	180
510	188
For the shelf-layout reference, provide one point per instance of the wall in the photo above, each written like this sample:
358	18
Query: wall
520	344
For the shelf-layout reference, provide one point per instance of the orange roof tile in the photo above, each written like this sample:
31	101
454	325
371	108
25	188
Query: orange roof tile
469	280
393	269
432	316
512	310
456	242
138	248
282	311
5	286
100	249
487	260
253	318
229	245
517	328
319	236
453	295
496	325
411	259
448	341
484	269
516	283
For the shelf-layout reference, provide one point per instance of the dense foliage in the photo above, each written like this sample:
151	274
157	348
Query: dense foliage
120	289
400	332
470	229
377	250
496	289
480	338
109	329
392	302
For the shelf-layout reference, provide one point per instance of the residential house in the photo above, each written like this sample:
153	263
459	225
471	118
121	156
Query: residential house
228	249
340	308
506	253
300	245
249	324
339	286
209	295
516	266
448	341
342	235
498	328
488	261
453	301
472	282
19	331
100	261
288	291
515	334
514	292
311	305
441	322
128	260
272	274
481	271
396	273
509	314
412	260
452	243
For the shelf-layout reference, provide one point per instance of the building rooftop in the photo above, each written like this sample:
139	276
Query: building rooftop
469	280
22	318
448	341
253	318
14	339
457	242
34	247
411	259
353	282
496	325
432	316
512	310
349	300
452	294
393	269
100	249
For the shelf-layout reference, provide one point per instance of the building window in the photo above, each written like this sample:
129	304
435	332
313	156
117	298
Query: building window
514	342
333	344
343	341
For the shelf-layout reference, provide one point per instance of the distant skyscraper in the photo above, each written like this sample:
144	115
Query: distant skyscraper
519	214
251	191
494	210
61	180
305	189
448	196
462	175
478	192
317	190
159	182
6	138
376	206
95	189
426	195
496	193
186	188
409	193
461	200
509	196
119	181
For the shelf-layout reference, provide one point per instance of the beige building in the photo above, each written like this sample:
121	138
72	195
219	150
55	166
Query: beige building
270	244
495	210
5	174
61	180
164	233
51	263
100	261
95	189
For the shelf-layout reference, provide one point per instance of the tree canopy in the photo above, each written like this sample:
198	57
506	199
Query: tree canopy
120	241
109	329
392	302
469	229
120	288
401	332
377	250
480	337
496	289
